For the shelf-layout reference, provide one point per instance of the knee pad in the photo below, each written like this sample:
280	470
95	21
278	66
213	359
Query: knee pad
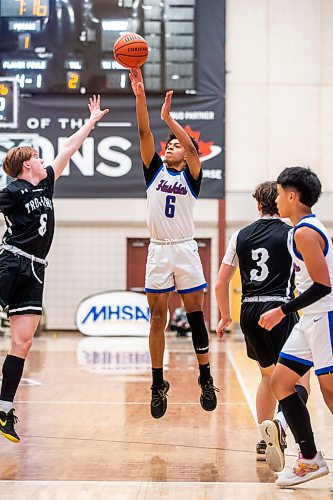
302	392
199	332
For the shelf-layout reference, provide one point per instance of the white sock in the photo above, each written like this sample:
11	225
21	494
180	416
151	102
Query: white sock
6	406
279	416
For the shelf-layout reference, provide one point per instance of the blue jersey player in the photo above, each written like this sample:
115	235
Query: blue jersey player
173	260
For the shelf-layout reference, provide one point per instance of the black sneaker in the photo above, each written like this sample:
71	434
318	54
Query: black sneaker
275	437
158	405
208	399
7	421
261	451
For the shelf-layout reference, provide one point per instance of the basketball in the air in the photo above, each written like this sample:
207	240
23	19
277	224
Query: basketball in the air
130	50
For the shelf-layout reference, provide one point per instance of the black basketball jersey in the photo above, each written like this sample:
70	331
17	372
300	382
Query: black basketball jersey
29	214
264	260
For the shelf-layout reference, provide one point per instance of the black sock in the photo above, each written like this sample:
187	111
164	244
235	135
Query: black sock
298	419
12	370
204	373
157	377
302	392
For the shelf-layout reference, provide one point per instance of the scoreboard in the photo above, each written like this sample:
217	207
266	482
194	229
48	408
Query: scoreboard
65	46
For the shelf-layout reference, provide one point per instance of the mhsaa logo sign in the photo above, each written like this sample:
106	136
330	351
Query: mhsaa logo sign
114	313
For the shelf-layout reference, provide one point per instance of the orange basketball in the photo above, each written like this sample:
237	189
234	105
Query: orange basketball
131	50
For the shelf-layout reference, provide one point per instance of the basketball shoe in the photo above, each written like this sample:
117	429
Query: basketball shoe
158	405
7	421
304	470
275	438
208	398
261	451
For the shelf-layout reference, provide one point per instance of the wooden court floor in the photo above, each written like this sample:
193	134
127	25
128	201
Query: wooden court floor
86	430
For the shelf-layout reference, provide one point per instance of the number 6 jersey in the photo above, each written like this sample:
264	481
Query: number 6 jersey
29	214
261	251
171	197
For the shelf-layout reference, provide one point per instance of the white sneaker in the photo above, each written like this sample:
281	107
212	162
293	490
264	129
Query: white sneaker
304	470
275	438
331	488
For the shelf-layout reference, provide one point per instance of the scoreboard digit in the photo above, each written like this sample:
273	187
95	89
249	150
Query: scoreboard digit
8	103
73	81
24	8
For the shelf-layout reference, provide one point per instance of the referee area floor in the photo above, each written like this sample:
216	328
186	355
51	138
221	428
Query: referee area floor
86	430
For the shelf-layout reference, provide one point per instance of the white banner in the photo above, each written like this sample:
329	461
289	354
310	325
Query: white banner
114	314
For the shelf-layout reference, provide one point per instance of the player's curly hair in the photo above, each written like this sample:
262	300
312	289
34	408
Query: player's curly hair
13	162
194	142
266	194
304	181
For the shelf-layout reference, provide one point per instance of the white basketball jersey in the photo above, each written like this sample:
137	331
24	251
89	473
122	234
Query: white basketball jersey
303	280
170	205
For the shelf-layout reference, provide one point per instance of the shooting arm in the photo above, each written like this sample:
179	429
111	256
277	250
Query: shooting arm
192	157
147	144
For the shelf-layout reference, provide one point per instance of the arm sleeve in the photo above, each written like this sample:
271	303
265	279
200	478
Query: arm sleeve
149	172
313	294
50	179
6	201
231	258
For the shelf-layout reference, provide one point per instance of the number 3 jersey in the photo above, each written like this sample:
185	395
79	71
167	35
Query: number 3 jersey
29	214
261	251
171	196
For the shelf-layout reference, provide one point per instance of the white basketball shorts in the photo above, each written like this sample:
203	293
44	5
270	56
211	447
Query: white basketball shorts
311	342
173	266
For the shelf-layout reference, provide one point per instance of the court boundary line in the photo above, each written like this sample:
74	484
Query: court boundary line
242	383
69	481
129	403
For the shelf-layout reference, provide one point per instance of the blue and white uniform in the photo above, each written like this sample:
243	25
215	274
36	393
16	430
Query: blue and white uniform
311	341
173	259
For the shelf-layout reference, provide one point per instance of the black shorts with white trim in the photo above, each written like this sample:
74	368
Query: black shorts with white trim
20	289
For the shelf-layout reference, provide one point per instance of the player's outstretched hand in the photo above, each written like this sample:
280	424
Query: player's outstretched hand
136	80
165	111
271	318
94	106
222	325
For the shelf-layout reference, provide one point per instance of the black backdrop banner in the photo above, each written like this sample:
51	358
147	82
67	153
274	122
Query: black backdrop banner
108	165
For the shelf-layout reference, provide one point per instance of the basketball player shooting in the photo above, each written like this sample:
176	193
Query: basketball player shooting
173	261
28	210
